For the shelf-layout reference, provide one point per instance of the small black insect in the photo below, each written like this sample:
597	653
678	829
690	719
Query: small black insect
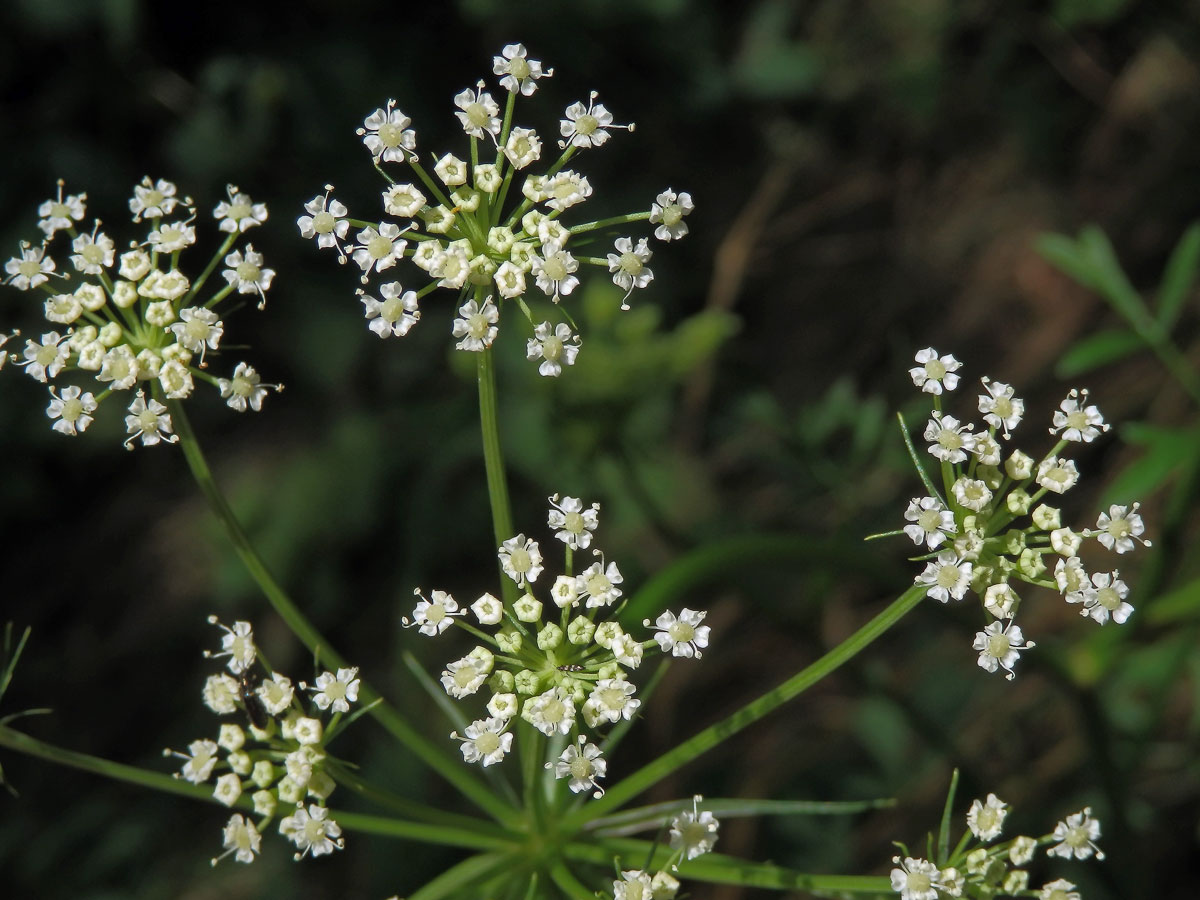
255	711
572	668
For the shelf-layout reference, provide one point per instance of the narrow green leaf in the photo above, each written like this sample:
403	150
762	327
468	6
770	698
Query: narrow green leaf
916	461
1097	350
1065	255
643	818
468	872
1110	277
11	657
1178	277
943	846
1167	450
1181	605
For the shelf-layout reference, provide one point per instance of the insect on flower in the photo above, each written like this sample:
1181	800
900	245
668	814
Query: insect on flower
255	711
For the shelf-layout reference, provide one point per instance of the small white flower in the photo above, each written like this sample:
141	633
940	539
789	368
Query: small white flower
950	440
986	819
312	831
987	450
1103	598
463	677
1059	889
555	345
1057	474
1077	836
587	126
476	325
667	212
523	147
244	389
999	407
520	73
247	274
239	213
276	693
1118	528
326	221
241	839
395	314
135	264
1076	421
971	494
336	691
477	112
379	248
149	421
172	237
933	374
694	832
403	200
916	879
485	741
488	610
947	576
62	212
152	200
93	253
307	730
683	636
451	170
510	280
550	713
932	522
599	584
574	523
31	270
610	701
521	559
238	644
201	758
503	706
999	646
436	614
1001	600
72	409
1070	576
553	270
628	266
563	190
583	764
387	135
221	694
198	330
227	789
634	885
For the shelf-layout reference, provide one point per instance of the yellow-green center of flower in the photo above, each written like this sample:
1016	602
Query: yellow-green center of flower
935	369
30	267
947	576
379	247
72	409
240	210
554	269
47	354
519	68
477	327
1108	598
581	767
477	114
487	743
391	309
519	558
391	135
573	522
323	222
919	883
153	198
248	271
147	421
998	645
682	632
587	123
92	254
631	263
552	348
671	215
598	584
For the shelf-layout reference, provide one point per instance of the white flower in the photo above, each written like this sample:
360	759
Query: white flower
152	200
523	147
510	280
1118	528
488	610
574	523
62	212
1059	889
379	248
565	189
634	885
241	839
521	559
999	646
403	200
476	325
326	221
198	330
463	677
338	691
587	126
395	314
503	706
93	253
31	270
933	374
239	213
1076	421
63	309
683	636
163	286
947	576
451	170
610	701
485	741
986	819
276	693
221	693
172	237
436	614
520	73
694	832
550	713
1070	576
552	270
1001	600
971	494
201	758
135	264
387	135
1077	836
599	585
227	789
667	212
987	449
312	831
916	879
1105	597
555	345
932	522
149	421
244	389
237	644
477	112
628	266
72	409
1057	474
950	439
999	407
582	763
247	274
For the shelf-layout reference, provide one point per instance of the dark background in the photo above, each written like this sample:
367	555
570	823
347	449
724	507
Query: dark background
870	178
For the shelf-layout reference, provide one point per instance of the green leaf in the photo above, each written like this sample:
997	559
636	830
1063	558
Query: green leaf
1178	277
1167	450
1181	605
1097	350
1062	252
643	818
943	847
1110	277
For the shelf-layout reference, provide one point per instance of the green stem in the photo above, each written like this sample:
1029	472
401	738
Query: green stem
470	871
422	832
493	460
568	883
384	713
710	737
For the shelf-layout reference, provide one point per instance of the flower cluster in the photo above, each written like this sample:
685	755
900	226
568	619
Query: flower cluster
134	320
562	662
692	833
489	227
278	752
991	526
979	868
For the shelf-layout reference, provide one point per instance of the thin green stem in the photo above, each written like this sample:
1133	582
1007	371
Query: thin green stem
421	832
384	713
493	460
710	737
470	871
568	883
